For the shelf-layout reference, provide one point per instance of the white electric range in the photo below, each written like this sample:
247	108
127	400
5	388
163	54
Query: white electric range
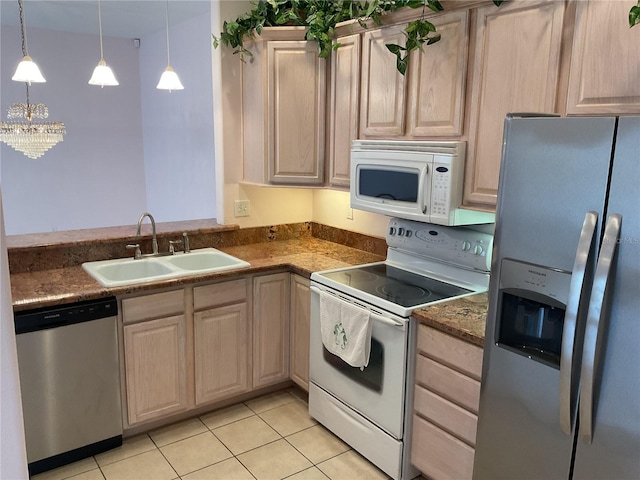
371	408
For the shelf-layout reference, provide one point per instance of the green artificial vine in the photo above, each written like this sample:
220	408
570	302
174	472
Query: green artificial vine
321	16
634	15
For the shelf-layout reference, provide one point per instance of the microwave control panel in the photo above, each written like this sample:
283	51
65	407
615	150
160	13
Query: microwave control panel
446	188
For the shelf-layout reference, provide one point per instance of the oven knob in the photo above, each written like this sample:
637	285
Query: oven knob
478	250
401	232
392	231
466	246
408	233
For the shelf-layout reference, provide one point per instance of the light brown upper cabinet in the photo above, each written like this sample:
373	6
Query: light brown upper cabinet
429	100
382	105
437	80
605	65
284	91
516	59
343	107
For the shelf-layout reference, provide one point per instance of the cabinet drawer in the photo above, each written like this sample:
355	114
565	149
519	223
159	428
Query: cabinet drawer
217	294
446	349
448	383
439	455
447	415
152	306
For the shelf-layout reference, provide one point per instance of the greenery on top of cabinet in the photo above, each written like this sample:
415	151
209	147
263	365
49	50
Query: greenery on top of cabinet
634	15
321	16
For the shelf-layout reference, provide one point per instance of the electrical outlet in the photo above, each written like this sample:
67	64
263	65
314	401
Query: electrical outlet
349	213
241	208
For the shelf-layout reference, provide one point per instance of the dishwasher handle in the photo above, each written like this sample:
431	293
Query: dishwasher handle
59	316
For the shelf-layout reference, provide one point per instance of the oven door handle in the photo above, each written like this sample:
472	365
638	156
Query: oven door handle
385	320
374	316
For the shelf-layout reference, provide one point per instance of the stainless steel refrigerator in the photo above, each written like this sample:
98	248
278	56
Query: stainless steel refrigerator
560	395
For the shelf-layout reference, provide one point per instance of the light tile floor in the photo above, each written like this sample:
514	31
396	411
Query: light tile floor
270	437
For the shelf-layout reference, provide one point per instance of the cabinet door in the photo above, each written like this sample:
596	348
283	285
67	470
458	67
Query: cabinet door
300	322
296	110
605	64
345	89
383	87
437	80
155	368
220	349
515	69
270	329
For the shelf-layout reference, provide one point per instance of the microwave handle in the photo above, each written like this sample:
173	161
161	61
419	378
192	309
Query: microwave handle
423	181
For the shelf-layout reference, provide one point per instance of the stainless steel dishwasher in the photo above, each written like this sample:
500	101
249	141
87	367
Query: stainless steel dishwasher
70	382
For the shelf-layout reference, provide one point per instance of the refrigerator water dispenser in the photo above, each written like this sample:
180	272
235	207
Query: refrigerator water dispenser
532	306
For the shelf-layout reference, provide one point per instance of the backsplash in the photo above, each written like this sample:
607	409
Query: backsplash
67	249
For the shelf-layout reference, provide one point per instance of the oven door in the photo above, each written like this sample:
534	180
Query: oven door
378	391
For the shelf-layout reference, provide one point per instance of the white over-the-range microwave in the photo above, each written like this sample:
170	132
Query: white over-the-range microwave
416	180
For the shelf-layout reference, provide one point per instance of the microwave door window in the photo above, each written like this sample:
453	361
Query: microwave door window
389	185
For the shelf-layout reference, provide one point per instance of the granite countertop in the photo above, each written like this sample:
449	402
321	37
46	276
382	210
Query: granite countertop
46	288
463	318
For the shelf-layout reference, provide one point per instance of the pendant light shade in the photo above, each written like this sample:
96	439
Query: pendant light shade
102	74
169	79
27	70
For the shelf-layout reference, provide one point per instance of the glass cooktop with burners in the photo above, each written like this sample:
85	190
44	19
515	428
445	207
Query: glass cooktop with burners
396	285
425	264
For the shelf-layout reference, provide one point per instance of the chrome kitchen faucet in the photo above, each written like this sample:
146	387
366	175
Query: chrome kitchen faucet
154	241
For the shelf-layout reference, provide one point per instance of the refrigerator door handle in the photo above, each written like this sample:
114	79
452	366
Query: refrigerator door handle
569	363
595	320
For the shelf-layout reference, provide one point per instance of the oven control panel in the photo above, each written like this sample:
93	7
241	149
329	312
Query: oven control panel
457	245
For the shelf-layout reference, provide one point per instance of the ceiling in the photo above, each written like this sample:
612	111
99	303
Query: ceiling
120	18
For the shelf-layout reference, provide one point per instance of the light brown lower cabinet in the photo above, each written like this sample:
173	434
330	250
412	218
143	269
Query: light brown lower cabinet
155	358
300	318
221	340
446	398
200	344
270	329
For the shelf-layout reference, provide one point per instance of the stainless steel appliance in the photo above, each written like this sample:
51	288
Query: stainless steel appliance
70	382
560	394
415	180
371	408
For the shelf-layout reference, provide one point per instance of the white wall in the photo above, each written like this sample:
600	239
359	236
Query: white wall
178	126
13	456
330	207
104	173
95	177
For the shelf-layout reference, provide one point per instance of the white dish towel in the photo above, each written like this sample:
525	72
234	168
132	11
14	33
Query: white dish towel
346	330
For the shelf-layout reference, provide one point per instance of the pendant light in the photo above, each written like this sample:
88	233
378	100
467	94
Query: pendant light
27	70
102	74
24	131
169	79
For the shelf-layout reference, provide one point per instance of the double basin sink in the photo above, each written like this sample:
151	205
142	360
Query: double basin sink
127	271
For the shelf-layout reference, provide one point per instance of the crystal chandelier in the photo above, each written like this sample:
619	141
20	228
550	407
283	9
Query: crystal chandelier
26	136
29	137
